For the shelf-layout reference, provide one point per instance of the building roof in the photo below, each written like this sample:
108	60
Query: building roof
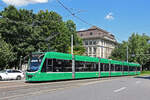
96	33
93	28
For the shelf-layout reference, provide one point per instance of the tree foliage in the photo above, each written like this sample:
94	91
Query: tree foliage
28	32
138	49
6	54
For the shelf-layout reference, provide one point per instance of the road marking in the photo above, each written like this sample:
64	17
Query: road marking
118	90
137	82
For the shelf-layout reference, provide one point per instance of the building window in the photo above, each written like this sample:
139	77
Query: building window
102	42
94	42
81	34
94	50
90	50
102	52
91	33
86	51
90	43
86	42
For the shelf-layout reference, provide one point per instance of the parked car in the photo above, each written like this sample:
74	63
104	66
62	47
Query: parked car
11	74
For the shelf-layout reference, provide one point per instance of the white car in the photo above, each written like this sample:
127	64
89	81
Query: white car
11	74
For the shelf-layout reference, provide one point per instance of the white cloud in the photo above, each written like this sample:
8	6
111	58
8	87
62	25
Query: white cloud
23	2
82	29
109	16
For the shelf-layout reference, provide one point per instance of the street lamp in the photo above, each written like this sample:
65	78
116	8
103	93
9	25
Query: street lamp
127	53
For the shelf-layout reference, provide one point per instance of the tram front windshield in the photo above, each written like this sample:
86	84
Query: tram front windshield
35	62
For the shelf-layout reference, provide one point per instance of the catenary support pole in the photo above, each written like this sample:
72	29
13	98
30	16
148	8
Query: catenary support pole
127	54
99	68
141	68
128	69
73	60
109	69
122	69
114	67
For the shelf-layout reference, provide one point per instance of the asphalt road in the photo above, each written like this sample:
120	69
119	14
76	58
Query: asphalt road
116	88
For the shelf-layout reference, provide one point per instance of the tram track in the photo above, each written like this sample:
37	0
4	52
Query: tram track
9	92
27	91
31	89
23	84
34	93
40	91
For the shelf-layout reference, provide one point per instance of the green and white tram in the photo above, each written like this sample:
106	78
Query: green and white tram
48	66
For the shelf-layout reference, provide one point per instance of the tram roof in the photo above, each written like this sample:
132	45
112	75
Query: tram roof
116	62
134	64
65	56
103	60
86	58
58	55
125	63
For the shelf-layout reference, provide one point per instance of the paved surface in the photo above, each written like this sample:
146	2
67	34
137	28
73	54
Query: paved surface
117	88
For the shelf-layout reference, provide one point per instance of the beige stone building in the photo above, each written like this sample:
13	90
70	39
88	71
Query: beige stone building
98	42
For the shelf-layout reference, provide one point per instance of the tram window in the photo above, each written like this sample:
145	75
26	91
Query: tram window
135	68
62	65
57	65
106	67
102	69
138	68
118	68
67	66
125	68
81	66
95	66
88	66
131	68
50	61
49	66
46	67
49	69
112	67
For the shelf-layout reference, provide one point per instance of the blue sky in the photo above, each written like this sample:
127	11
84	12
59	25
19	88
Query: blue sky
119	17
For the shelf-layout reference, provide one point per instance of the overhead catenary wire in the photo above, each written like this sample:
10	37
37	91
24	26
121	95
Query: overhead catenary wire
73	14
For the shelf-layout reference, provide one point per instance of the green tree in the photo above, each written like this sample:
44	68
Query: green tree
138	47
77	41
16	31
6	55
119	53
28	32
